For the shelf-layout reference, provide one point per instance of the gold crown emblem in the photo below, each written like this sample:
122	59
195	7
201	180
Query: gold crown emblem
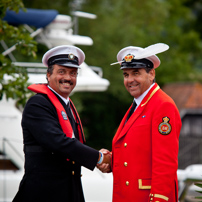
166	119
128	58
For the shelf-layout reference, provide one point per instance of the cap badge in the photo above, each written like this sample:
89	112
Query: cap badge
128	58
71	56
165	127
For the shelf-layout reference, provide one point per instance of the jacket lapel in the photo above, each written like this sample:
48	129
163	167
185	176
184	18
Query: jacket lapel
123	128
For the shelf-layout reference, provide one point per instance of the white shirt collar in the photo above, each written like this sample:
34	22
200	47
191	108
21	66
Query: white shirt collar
64	99
141	97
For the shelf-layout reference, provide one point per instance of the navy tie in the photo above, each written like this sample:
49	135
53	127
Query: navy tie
131	110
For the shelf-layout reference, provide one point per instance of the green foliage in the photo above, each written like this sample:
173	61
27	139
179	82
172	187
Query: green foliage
142	23
63	6
119	24
99	118
13	5
13	80
138	23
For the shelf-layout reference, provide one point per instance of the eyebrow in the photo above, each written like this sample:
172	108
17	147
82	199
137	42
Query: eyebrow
134	70
61	68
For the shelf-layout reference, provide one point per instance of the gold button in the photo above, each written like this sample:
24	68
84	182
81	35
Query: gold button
72	172
125	164
73	162
127	183
125	144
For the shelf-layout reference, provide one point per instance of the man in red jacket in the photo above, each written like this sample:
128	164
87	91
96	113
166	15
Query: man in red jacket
145	146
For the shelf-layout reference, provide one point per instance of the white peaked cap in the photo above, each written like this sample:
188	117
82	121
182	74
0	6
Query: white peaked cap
138	56
65	55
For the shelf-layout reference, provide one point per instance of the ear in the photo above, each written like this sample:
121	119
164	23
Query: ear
152	74
48	76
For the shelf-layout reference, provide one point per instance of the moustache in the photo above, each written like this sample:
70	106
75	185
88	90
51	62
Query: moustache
65	81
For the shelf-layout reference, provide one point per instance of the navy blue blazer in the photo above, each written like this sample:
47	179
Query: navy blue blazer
48	175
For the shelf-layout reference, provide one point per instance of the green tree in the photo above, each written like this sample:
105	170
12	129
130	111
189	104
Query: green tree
13	80
139	23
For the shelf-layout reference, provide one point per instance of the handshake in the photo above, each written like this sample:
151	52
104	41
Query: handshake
105	165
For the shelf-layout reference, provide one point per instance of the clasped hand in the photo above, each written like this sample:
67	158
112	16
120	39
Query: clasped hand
105	166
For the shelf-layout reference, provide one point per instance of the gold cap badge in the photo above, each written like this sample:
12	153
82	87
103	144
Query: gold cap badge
128	58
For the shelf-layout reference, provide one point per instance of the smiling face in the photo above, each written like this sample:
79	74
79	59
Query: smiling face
137	80
62	79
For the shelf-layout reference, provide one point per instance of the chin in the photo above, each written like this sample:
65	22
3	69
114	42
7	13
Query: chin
135	95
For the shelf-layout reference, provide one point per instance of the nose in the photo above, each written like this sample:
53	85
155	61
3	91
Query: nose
67	76
130	78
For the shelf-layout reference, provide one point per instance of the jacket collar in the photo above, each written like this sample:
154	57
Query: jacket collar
123	128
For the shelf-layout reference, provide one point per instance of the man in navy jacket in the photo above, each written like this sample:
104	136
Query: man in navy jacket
53	136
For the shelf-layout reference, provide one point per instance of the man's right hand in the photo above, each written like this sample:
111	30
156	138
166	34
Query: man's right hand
105	166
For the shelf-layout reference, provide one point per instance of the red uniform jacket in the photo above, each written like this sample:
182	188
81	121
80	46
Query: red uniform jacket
145	151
